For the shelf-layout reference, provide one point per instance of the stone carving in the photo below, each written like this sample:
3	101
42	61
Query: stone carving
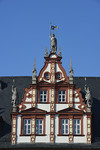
88	98
53	43
14	96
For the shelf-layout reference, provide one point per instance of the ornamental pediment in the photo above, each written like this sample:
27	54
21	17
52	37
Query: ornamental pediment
69	111
33	111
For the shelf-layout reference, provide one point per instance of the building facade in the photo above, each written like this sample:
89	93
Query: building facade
52	109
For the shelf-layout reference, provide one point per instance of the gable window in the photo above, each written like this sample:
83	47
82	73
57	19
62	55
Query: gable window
61	96
46	75
77	126
43	96
27	126
58	76
64	126
39	126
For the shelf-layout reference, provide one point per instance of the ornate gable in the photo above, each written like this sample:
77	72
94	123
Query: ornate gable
53	72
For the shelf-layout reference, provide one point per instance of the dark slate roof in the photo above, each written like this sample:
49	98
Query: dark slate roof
24	82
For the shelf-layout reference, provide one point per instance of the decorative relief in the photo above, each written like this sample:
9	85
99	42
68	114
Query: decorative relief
70	130
70	126
52	104
70	97
33	130
33	98
13	139
88	130
52	129
52	73
70	139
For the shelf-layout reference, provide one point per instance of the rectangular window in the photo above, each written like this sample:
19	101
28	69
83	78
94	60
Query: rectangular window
64	126
61	96
77	126
39	126
43	96
27	126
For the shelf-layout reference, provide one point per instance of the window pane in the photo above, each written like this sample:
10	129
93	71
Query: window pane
64	126
43	96
45	92
40	121
39	126
61	96
27	126
77	126
63	92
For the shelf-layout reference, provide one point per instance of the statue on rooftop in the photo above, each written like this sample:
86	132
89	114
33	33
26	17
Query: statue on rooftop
88	98
53	43
14	96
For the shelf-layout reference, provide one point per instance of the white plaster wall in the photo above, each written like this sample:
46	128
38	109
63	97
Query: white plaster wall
79	139
85	125
61	106
76	99
59	70
49	95
28	99
56	127
62	139
76	106
45	107
45	139
27	106
24	139
46	70
30	92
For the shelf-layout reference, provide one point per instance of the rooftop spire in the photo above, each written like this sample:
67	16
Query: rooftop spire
34	74
59	54
71	73
46	52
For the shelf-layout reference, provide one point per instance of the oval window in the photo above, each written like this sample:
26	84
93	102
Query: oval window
46	75
58	76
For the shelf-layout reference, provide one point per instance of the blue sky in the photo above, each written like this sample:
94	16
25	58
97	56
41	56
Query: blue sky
24	35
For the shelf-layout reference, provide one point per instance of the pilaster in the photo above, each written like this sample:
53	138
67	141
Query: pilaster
70	130
13	135
33	130
88	129
52	129
70	97
33	98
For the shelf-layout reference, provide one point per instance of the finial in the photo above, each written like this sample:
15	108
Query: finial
34	74
59	51
71	73
46	52
71	69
